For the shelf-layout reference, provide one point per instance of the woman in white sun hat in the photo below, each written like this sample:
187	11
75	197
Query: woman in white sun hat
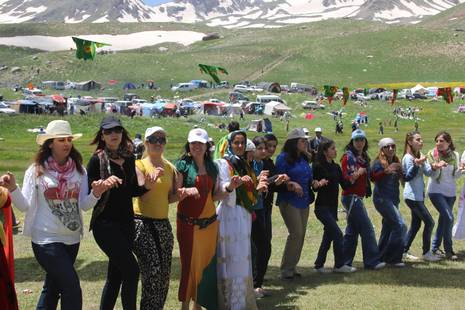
54	192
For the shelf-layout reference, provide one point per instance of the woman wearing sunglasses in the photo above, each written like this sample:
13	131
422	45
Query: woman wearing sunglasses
112	220
197	227
153	244
54	191
386	173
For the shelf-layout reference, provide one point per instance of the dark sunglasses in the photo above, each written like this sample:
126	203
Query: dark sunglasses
390	146
113	130
154	139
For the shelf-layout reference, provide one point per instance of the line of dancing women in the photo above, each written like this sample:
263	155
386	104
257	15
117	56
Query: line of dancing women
224	211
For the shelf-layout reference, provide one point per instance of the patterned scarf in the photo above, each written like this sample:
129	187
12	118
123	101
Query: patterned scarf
246	194
105	172
435	156
63	173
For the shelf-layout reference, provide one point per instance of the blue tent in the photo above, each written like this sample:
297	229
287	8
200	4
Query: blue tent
129	85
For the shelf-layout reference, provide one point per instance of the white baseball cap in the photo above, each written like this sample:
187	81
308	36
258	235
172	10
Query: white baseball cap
150	131
318	129
197	135
250	146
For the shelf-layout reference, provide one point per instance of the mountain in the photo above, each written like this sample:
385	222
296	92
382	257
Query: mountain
225	13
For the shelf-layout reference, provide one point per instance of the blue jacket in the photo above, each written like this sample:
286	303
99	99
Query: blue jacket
386	185
414	188
299	172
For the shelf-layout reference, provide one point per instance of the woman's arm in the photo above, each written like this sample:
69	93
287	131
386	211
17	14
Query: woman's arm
86	200
410	169
23	198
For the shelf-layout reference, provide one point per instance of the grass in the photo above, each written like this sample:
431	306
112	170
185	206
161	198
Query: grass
420	285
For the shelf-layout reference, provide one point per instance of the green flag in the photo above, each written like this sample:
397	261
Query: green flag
330	91
212	71
86	49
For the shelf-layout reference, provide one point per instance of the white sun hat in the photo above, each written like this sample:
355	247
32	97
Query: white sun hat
57	129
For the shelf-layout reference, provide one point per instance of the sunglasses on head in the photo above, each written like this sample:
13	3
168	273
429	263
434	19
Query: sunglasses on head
154	139
113	130
390	146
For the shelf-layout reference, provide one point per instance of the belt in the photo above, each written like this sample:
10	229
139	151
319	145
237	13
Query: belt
201	222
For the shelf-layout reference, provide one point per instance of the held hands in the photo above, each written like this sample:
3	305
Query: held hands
420	161
393	168
235	182
282	178
8	180
246	179
262	186
263	175
439	165
184	192
295	187
320	183
360	171
152	177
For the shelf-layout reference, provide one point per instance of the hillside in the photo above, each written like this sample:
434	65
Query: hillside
353	53
451	19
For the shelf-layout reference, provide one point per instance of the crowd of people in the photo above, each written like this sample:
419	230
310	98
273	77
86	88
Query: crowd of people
224	199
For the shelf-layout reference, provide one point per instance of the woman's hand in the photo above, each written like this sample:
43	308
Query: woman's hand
98	188
246	179
112	181
295	187
8	180
262	186
420	161
282	178
235	182
320	183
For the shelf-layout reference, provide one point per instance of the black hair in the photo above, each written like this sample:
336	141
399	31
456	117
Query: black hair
233	126
324	145
259	140
270	137
290	148
350	147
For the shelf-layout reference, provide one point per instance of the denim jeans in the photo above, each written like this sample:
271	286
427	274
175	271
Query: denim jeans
358	223
444	205
332	233
117	240
61	279
419	214
391	241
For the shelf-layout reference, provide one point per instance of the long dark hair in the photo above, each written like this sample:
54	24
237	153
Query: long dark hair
186	153
325	144
446	137
290	148
350	147
45	152
126	143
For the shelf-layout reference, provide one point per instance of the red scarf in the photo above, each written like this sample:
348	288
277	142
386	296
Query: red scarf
63	173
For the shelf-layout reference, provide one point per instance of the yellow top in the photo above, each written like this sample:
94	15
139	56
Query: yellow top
154	203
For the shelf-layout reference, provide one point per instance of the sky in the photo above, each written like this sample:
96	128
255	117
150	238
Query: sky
155	2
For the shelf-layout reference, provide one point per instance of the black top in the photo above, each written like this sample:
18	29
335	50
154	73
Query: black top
328	195
119	205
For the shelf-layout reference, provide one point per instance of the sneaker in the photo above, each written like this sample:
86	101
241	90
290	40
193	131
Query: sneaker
262	291
322	270
345	269
258	293
439	252
379	266
451	256
399	265
408	256
430	257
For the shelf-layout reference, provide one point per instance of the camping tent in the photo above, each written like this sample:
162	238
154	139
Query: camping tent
419	89
87	85
233	108
129	85
260	125
275	108
212	108
272	87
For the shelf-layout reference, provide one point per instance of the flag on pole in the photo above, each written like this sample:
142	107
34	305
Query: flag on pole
394	96
86	49
345	95
213	71
329	92
446	93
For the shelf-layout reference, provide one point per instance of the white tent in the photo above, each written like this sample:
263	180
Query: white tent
274	107
419	89
234	108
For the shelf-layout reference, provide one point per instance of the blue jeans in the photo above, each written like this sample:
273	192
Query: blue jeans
391	241
332	233
61	279
444	205
117	241
419	214
358	223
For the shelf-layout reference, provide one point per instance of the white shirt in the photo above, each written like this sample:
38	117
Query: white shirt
52	220
445	182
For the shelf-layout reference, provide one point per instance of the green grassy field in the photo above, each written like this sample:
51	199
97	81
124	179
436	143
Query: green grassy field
420	285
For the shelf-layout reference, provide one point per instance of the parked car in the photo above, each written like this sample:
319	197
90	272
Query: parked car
416	96
241	88
5	109
183	87
312	104
236	96
254	88
222	84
